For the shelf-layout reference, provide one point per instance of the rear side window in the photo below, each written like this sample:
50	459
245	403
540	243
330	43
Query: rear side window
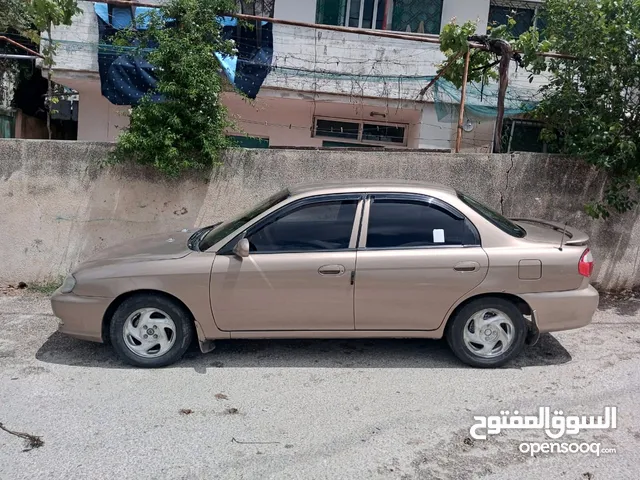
402	223
317	226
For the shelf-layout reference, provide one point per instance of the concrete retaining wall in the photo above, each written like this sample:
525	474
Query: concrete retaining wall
58	206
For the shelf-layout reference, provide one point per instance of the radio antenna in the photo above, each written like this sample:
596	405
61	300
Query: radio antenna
563	234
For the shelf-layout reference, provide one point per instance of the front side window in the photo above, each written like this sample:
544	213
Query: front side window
322	225
403	223
218	233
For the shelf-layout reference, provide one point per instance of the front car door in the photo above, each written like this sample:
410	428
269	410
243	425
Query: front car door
298	272
417	256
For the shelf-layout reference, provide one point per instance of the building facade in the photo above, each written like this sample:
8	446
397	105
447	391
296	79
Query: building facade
326	88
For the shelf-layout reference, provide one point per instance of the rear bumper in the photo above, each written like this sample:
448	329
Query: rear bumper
556	311
80	317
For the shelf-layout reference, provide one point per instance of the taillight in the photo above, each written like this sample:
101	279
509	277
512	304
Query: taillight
585	265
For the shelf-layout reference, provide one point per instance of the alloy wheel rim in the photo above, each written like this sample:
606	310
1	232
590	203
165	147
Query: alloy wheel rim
488	333
149	332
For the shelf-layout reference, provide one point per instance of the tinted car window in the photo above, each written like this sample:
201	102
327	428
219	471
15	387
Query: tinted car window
395	223
494	217
310	227
218	233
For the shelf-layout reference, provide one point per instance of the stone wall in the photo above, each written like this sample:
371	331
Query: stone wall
58	205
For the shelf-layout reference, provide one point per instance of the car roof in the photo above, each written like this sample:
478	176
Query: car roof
368	186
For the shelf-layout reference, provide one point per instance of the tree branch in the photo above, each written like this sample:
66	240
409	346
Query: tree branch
440	73
486	67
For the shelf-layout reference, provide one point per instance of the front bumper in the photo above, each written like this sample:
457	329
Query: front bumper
556	311
80	317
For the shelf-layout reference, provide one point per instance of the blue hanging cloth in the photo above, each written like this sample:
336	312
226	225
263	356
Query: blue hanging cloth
125	79
254	43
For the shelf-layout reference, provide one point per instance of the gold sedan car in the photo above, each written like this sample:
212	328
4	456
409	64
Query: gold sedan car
363	259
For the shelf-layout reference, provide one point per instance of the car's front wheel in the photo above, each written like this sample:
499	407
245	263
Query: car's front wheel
487	332
150	330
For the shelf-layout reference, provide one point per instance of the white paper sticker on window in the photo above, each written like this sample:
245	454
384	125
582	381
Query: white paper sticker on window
438	235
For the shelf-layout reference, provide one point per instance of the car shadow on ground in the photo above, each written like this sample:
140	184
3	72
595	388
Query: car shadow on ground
365	353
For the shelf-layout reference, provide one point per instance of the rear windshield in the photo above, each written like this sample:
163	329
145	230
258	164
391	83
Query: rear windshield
495	218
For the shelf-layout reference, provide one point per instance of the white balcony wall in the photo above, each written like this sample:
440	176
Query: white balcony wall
324	61
77	44
304	59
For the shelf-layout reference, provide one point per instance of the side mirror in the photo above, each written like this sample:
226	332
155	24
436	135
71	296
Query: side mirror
242	248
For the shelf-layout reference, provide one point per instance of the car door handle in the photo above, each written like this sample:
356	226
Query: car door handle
467	267
331	270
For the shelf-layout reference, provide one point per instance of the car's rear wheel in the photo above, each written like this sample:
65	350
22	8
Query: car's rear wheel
487	332
150	330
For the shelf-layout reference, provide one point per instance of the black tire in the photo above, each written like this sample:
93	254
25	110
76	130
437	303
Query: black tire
455	332
184	331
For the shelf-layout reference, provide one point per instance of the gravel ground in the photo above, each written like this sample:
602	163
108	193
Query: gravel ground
370	409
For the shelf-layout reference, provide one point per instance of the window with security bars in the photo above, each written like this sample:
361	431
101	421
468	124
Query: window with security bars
420	16
524	136
261	8
331	12
526	15
360	133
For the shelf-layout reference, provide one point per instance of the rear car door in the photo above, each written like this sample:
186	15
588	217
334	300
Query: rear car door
417	256
298	272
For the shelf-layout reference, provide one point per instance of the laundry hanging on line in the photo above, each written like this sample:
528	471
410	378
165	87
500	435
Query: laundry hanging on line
126	78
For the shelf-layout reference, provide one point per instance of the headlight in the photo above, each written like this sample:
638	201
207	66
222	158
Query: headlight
68	284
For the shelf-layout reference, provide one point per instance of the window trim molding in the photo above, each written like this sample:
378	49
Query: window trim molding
245	230
427	199
525	122
360	122
361	14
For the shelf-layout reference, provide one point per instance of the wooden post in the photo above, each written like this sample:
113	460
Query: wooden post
463	98
503	71
387	13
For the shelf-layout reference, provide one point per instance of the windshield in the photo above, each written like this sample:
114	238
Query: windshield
218	233
495	218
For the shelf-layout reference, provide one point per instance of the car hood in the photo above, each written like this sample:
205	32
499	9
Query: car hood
163	246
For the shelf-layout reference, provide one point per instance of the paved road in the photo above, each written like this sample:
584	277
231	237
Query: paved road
389	409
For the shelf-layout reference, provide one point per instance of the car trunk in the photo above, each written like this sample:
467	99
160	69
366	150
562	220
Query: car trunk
543	231
560	266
